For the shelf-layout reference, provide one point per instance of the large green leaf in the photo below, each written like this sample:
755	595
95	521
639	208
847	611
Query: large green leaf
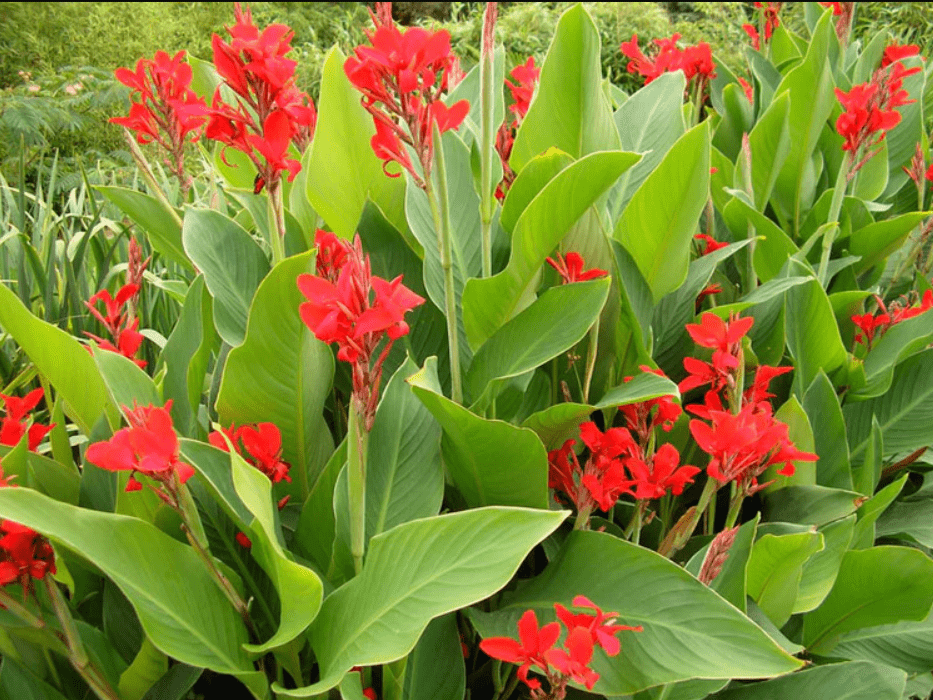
489	303
435	669
127	384
539	171
181	608
233	265
810	505
906	645
812	334
770	143
282	374
689	630
876	586
404	473
59	358
649	122
849	681
314	536
871	510
18	683
300	590
159	223
343	170
147	668
829	429
820	570
910	517
732	582
874	242
658	224
775	569
414	573
54	479
475	449
904	412
570	110
554	323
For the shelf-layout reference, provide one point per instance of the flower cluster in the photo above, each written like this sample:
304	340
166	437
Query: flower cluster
570	268
271	112
164	109
745	440
119	322
402	76
523	89
339	310
25	555
260	445
770	20
536	647
695	61
871	326
149	446
622	460
870	108
16	421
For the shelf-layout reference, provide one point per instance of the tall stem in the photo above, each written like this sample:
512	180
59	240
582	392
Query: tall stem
591	360
149	177
357	447
683	529
487	204
440	209
842	181
277	214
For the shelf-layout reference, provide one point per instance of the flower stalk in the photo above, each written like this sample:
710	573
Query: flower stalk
488	131
277	215
832	225
357	450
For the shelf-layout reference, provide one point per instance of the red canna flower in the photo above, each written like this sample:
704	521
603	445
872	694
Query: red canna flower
643	417
599	624
726	341
523	89
753	36
710	244
259	444
695	61
530	650
570	268
662	475
243	541
16	422
575	661
24	554
119	322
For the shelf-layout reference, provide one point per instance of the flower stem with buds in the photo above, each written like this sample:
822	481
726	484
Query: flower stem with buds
149	177
486	76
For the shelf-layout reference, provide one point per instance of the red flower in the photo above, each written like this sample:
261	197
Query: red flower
15	423
262	445
575	661
526	80
711	244
24	555
570	268
126	339
599	624
332	254
694	61
726	341
149	445
643	417
243	540
530	650
662	476
753	35
895	52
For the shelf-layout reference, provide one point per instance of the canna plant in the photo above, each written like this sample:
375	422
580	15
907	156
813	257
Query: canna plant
410	386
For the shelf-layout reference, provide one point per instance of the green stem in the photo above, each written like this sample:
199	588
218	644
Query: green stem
639	520
835	207
14	606
734	509
487	203
583	518
277	216
440	209
357	444
591	360
149	177
683	529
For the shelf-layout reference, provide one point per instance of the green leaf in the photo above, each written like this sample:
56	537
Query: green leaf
913	518
811	505
871	510
18	683
233	265
569	110
658	224
414	573
773	247
848	681
300	590
159	223
474	450
61	359
770	144
775	568
489	303
820	570
282	374
737	119
714	641
812	334
45	475
314	536
649	122
147	668
343	170
732	581
186	356
182	610
539	171
552	324
875	242
435	668
867	475
404	473
175	684
875	586
904	413
905	645
127	384
901	340
829	429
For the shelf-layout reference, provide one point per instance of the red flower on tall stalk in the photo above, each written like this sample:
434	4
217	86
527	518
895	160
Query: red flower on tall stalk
259	444
164	109
25	555
340	310
125	338
17	422
402	76
148	446
570	268
695	61
871	326
523	89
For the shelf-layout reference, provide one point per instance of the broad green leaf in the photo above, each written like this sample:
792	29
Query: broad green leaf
552	324
539	171
466	245
213	466
159	223
770	144
737	119
314	536
658	224
875	242
475	449
876	586
559	422
904	413
343	170
175	684
182	609
871	510
829	429
905	645
147	668
404	473
569	110
631	328
282	374
812	334
127	384
18	683
901	340
820	570
809	87
849	681
436	668
774	571
414	573
233	265
867	475
695	689
872	178
732	582
186	356
811	505
800	433
300	590
649	122
913	518
45	475
489	303
713	641
61	359
773	247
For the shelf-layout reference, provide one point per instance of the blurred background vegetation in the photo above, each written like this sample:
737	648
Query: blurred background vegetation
57	59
